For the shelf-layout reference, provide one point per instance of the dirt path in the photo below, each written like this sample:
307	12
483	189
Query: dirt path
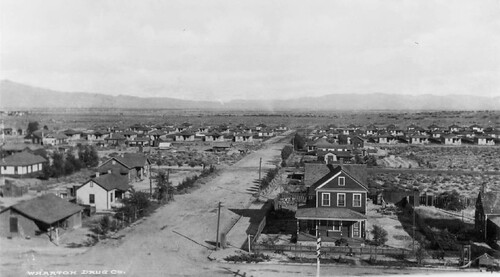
177	238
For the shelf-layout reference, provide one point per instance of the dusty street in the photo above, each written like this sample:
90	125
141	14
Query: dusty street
177	239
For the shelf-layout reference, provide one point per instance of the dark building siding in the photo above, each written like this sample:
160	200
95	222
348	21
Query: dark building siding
348	200
350	184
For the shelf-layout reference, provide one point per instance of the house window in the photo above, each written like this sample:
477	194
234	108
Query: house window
356	200
341	181
91	199
355	230
336	226
340	199
325	199
111	197
91	184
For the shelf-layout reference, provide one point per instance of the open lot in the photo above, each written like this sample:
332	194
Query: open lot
467	184
474	158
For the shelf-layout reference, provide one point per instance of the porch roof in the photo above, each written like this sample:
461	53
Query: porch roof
328	214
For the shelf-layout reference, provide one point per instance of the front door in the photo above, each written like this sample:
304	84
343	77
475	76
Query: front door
13	225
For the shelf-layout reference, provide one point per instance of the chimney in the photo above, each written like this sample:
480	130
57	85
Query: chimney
97	174
341	162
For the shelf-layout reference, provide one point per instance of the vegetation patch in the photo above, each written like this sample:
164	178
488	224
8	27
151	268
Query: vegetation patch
247	258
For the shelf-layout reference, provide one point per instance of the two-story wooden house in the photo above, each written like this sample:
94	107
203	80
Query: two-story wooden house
336	206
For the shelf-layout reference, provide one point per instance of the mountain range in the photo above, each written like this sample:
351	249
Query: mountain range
19	96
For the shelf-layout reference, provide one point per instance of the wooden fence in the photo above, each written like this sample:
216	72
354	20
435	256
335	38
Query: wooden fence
349	250
331	249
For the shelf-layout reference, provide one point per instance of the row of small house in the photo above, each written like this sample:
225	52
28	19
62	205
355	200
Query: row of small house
413	136
395	130
151	136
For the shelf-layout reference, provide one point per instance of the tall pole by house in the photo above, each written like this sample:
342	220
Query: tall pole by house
318	252
150	183
414	225
218	221
260	168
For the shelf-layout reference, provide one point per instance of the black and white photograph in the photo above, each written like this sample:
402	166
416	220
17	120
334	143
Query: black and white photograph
249	138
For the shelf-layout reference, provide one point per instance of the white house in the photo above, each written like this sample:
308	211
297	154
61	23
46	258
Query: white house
20	164
419	139
102	192
485	141
451	140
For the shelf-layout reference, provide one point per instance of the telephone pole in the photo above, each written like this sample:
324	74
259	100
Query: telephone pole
260	168
218	221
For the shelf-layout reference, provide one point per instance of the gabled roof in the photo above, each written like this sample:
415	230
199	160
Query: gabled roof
358	174
132	160
491	202
328	213
57	136
20	147
47	208
111	181
323	143
156	133
113	168
21	159
71	132
315	171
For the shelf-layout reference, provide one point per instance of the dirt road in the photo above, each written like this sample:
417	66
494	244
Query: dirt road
177	238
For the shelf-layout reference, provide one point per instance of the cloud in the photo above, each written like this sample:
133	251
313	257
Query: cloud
252	49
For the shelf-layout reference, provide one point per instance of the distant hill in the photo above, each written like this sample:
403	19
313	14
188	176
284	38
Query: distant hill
18	96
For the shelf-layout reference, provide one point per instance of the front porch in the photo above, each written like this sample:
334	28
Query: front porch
329	239
330	223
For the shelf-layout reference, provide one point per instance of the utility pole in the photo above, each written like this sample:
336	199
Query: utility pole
150	184
260	168
218	221
318	251
249	244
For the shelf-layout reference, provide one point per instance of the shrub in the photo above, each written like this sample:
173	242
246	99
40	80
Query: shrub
135	206
248	258
286	152
104	226
379	235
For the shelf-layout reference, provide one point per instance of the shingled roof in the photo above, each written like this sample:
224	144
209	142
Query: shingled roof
112	181
357	172
22	159
47	208
132	160
313	172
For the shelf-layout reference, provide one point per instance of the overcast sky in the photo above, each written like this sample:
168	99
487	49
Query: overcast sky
236	49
